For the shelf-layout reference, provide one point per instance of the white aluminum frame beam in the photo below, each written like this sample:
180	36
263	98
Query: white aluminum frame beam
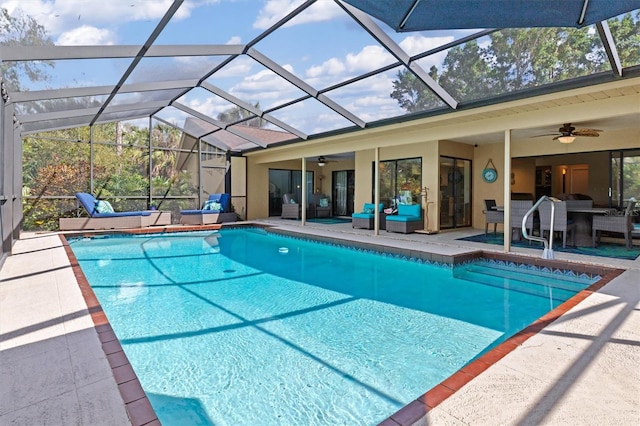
44	95
60	53
57	115
610	47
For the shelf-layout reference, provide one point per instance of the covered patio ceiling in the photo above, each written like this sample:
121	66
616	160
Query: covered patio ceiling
303	71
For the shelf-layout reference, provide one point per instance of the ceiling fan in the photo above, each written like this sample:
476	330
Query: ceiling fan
322	161
568	133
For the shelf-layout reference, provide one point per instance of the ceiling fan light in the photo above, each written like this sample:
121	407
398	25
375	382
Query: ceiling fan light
321	163
566	139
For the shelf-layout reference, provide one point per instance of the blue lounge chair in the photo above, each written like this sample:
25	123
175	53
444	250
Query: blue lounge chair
102	216
217	209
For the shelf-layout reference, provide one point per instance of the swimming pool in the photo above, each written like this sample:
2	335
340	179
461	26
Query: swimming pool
229	328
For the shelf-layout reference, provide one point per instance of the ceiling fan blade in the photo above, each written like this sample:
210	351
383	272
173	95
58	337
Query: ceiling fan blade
587	134
588	131
548	134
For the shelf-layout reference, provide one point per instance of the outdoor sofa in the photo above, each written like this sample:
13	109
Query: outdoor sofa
407	221
102	216
217	209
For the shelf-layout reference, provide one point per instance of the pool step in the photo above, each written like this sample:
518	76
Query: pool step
529	282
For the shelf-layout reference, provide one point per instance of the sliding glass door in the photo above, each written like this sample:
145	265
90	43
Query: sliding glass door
625	177
286	182
455	193
343	182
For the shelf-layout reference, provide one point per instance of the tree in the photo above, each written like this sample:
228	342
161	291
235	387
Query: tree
238	114
412	94
517	59
22	30
464	72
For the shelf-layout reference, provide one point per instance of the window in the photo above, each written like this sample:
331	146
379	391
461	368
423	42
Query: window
400	181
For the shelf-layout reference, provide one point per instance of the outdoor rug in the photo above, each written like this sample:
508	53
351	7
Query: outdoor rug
330	220
618	251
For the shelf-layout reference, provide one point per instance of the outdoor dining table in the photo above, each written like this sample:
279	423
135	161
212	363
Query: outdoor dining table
583	217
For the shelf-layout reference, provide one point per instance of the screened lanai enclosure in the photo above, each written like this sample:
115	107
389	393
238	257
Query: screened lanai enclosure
151	104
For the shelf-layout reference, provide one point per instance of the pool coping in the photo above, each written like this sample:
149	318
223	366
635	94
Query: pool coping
141	412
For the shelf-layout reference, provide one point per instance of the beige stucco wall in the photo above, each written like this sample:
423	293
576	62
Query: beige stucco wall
419	138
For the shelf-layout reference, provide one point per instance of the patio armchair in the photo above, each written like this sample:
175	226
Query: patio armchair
217	209
292	209
102	216
614	224
365	218
321	205
560	221
492	216
407	221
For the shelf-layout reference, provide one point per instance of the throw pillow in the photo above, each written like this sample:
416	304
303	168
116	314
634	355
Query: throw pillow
103	206
324	202
292	201
368	211
212	205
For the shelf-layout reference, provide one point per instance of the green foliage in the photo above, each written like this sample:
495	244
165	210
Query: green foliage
517	59
57	164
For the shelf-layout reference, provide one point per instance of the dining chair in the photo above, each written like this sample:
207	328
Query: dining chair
615	224
560	221
518	209
492	216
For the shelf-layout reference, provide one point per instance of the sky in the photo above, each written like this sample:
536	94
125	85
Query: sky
323	46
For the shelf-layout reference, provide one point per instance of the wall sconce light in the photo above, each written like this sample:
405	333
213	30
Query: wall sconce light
566	139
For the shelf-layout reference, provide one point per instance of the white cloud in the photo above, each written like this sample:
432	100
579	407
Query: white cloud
332	66
211	105
86	35
415	43
369	58
274	10
66	16
235	40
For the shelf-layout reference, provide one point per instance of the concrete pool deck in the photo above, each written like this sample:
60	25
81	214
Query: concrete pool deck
581	369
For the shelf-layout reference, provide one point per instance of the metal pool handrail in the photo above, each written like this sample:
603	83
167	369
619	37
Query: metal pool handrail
547	253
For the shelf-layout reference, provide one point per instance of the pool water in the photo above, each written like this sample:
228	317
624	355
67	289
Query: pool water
244	327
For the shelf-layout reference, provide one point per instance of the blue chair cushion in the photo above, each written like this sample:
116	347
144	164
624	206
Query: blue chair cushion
370	207
401	218
362	215
409	210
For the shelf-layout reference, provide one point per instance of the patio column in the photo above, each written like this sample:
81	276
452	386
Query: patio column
507	190
304	191
376	192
